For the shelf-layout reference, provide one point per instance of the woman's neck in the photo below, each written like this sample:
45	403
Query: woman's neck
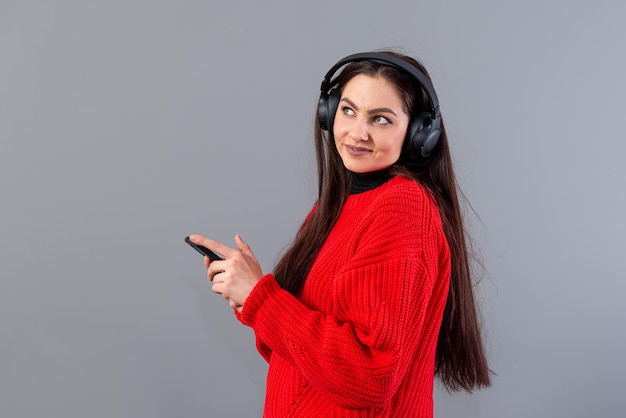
362	182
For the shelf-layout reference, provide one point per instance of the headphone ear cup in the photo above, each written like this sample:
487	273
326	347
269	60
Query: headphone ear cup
432	139
329	102
422	136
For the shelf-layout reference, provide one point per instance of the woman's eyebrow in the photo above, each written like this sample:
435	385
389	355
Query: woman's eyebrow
377	110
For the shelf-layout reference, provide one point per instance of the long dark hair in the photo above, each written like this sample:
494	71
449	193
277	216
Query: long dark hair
460	358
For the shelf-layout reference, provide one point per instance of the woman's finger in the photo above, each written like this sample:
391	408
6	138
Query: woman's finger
214	268
242	245
213	245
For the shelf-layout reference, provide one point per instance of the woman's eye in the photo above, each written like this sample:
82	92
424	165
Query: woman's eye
381	120
347	111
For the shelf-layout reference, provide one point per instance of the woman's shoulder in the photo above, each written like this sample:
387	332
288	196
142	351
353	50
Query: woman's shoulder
406	184
401	210
406	192
404	201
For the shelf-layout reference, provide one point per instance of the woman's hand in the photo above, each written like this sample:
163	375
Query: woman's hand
236	275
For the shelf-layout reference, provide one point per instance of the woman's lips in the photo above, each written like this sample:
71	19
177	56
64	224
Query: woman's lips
357	151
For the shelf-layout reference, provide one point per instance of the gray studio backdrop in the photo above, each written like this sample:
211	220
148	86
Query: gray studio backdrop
127	125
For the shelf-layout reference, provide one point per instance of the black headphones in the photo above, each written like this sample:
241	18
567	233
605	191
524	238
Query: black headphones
424	128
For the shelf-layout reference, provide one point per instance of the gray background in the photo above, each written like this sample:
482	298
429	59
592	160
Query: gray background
126	125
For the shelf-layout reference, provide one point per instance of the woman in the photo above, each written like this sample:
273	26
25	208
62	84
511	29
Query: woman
374	296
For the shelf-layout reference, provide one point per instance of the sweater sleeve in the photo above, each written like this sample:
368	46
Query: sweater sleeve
359	354
264	350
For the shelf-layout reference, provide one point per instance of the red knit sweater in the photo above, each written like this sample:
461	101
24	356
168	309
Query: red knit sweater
360	339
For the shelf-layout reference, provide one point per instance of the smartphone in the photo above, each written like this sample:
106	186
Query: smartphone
204	250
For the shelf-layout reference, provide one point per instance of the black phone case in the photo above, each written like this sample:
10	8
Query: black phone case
204	250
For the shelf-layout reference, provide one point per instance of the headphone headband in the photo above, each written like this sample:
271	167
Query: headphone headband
390	61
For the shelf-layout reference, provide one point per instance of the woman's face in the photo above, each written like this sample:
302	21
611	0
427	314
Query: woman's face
370	124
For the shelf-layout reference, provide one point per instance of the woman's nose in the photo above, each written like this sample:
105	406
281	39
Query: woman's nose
358	131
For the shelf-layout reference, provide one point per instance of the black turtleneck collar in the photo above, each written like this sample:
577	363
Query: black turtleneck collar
362	182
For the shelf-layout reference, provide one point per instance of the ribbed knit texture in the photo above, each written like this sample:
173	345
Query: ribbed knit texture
360	339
